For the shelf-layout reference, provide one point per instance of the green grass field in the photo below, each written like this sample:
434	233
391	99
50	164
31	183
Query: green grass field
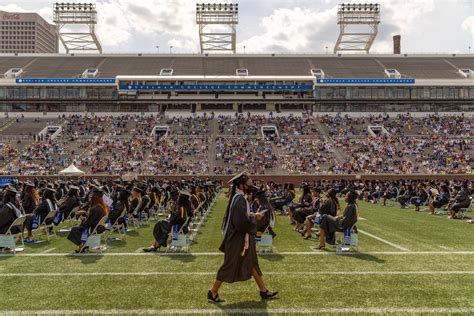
407	263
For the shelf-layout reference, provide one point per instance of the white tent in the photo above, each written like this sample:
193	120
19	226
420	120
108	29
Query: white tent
72	171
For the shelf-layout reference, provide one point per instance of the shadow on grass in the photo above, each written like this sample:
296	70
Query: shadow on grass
367	257
182	257
85	258
229	309
270	256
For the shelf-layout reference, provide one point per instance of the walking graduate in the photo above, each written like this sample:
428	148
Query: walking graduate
239	248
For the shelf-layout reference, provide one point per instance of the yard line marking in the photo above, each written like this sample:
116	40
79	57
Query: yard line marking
211	254
383	240
265	311
445	248
48	250
204	273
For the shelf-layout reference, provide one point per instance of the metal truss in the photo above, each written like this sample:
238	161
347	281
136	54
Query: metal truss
358	27
77	15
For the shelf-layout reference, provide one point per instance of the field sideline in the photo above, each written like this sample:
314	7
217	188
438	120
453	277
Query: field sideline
408	263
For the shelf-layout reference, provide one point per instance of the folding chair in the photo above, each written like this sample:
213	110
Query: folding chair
462	214
8	240
47	228
118	227
95	238
347	240
179	239
265	242
70	220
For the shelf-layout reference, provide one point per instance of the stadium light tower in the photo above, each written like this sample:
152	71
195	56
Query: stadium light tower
217	26
358	27
82	17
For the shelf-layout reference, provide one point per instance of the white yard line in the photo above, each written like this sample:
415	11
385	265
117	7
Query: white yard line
212	254
383	240
206	273
265	311
48	250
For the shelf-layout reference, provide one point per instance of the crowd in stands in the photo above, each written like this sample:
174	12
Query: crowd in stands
200	144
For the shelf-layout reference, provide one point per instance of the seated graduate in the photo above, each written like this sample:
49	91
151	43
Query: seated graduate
90	218
330	225
155	197
301	214
31	198
406	197
119	204
421	196
72	201
47	204
441	199
177	217
390	193
304	203
329	206
10	210
264	207
461	200
140	202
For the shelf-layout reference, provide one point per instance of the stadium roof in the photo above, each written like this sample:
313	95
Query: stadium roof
334	66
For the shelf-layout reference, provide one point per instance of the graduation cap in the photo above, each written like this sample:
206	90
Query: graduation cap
260	193
29	184
253	189
73	187
98	191
138	189
185	193
10	189
237	177
49	188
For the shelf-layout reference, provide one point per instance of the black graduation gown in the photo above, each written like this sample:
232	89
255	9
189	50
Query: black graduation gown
28	204
93	218
237	267
68	206
116	211
332	224
7	217
163	228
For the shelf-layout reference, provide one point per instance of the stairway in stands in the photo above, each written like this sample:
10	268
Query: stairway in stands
338	154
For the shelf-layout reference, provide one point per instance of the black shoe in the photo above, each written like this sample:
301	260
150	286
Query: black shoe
213	299
266	295
83	249
151	249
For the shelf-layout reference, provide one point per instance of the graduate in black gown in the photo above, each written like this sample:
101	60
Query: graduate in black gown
96	211
30	198
177	218
238	246
72	201
330	225
120	204
47	204
9	211
264	207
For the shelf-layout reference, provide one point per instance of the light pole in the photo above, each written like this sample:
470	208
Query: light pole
171	49
327	49
469	49
244	49
157	49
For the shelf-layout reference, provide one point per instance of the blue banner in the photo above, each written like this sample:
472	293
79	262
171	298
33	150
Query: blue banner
5	181
66	80
219	87
365	81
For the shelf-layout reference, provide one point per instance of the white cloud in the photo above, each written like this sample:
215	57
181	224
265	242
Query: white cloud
468	24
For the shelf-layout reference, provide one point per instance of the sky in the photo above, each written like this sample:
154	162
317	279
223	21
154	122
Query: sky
273	26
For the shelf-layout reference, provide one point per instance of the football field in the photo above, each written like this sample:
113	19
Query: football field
407	263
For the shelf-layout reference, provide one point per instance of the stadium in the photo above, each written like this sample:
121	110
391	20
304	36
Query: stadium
344	180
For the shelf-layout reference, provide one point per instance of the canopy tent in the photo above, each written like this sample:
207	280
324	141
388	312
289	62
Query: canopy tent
72	171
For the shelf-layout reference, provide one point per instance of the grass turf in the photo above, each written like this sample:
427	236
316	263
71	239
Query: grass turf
150	283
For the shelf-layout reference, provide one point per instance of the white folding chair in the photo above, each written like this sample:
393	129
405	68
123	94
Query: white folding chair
70	220
118	227
181	240
94	241
264	242
347	240
47	226
8	240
